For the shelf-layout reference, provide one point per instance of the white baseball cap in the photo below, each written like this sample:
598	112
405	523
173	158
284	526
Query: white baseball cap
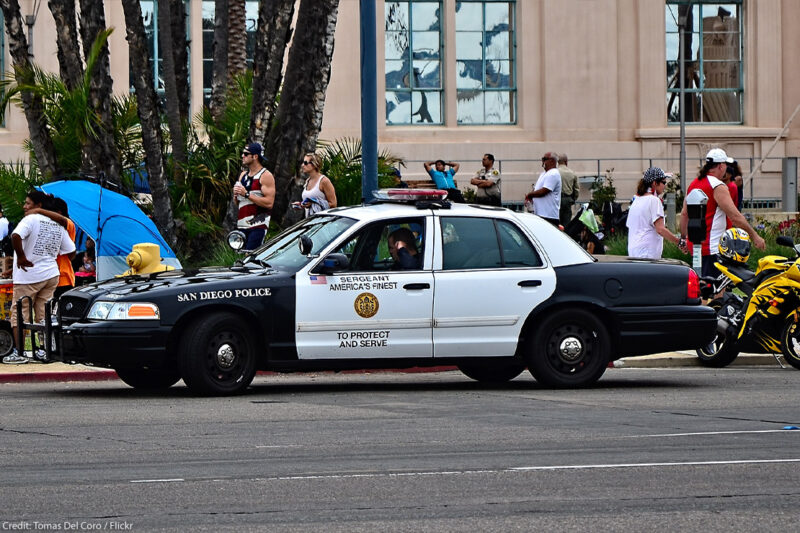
716	155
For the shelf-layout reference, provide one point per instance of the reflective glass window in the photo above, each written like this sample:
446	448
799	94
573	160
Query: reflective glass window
713	83
485	61
413	62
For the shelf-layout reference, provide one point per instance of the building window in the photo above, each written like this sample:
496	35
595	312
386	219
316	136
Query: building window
485	43
712	61
413	62
251	24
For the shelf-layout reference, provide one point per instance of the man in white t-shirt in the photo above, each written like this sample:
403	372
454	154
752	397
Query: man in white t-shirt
37	242
546	194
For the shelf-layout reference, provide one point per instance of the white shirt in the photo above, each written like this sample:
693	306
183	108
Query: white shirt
547	206
643	240
3	228
42	240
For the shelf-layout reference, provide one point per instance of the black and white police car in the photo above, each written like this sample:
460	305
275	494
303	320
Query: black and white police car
493	292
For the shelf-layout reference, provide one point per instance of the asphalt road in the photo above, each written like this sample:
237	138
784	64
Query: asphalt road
647	449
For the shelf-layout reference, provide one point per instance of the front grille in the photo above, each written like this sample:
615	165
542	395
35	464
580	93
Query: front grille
72	308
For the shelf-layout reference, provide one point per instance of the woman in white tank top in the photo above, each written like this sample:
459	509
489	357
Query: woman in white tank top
318	192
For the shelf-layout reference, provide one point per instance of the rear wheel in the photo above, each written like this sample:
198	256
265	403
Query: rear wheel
721	351
570	348
149	378
6	339
492	372
790	342
217	355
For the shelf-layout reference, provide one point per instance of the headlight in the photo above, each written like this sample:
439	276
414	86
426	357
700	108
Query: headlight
123	311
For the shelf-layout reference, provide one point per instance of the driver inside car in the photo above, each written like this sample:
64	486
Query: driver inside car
403	249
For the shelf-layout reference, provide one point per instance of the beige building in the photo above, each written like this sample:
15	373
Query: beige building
596	79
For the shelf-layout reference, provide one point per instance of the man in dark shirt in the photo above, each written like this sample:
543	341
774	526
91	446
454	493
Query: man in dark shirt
403	248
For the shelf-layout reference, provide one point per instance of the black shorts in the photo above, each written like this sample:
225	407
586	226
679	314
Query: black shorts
708	267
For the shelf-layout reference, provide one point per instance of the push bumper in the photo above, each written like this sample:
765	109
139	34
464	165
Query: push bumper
112	344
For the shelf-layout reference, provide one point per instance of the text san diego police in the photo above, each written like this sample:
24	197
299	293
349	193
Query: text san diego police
224	294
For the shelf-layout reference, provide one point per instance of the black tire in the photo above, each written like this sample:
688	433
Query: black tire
149	378
492	372
6	339
790	342
217	355
570	348
725	352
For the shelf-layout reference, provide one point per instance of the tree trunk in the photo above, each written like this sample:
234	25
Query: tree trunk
237	39
102	151
32	105
299	118
180	48
171	91
219	79
142	78
69	57
272	36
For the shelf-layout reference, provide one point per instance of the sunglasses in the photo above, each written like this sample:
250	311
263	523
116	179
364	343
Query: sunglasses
246	154
547	159
307	163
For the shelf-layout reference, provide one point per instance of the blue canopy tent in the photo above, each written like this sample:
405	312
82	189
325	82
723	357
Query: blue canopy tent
113	221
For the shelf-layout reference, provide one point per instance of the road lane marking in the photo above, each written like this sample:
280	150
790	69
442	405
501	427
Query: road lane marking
646	465
523	469
708	433
170	480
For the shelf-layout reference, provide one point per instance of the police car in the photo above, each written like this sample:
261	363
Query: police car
491	291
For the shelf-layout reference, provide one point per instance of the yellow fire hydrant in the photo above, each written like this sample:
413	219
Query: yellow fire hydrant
145	259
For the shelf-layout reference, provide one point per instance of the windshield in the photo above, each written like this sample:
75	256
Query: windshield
283	252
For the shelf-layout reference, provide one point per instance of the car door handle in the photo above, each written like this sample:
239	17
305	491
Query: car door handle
416	286
530	283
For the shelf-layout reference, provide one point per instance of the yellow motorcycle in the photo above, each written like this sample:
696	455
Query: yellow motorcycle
764	319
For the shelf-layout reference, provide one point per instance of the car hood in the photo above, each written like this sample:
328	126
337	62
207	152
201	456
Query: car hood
123	286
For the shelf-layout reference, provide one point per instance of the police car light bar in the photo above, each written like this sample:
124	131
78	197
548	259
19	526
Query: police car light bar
409	195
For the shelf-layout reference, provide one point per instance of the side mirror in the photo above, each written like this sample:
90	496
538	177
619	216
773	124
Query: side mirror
236	240
305	244
785	240
334	263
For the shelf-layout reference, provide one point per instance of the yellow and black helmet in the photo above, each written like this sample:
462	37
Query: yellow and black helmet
735	245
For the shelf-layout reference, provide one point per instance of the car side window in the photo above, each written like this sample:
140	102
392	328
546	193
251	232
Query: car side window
517	249
368	249
470	243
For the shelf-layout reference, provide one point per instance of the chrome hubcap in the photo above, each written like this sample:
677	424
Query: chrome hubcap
570	348
225	356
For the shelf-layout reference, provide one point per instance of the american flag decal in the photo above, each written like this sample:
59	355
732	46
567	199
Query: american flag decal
319	280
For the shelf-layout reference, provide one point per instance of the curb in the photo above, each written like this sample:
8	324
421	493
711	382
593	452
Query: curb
665	360
45	376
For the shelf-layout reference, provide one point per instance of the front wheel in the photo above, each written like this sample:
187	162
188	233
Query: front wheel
491	372
790	342
149	378
570	348
217	355
722	350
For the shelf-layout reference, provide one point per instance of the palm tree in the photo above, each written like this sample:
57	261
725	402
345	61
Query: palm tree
171	91
31	104
100	152
142	77
299	118
272	36
69	59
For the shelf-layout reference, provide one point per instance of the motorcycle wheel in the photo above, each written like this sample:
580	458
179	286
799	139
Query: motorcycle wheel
790	342
725	352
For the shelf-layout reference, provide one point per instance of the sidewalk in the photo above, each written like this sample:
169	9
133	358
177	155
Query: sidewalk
37	372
